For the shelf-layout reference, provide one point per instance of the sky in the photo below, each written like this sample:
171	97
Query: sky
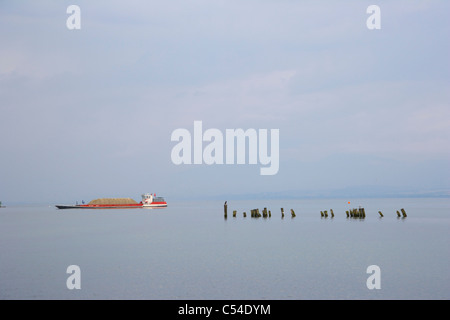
88	113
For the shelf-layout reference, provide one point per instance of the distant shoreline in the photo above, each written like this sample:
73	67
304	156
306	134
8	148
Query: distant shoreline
255	197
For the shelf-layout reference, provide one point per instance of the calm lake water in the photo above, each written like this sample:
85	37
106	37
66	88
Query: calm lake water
189	251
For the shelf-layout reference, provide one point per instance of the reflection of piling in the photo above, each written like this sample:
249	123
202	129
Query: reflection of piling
282	213
381	215
403	212
225	207
292	213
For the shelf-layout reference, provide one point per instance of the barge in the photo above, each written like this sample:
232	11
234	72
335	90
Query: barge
148	201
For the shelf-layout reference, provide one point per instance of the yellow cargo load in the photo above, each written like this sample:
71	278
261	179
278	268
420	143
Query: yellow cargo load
113	201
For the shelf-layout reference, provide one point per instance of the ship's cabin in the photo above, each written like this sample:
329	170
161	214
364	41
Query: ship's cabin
147	196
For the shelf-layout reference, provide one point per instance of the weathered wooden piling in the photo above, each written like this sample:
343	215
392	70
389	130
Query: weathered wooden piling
381	215
264	213
282	213
245	214
331	212
255	213
234	213
403	212
398	214
270	214
322	214
225	208
292	213
356	213
325	213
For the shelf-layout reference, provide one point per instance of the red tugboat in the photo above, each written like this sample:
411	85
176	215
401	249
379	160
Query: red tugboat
148	201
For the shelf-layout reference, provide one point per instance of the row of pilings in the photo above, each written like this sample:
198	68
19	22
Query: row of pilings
355	213
256	213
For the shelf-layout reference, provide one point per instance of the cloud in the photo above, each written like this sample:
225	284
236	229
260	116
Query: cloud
93	102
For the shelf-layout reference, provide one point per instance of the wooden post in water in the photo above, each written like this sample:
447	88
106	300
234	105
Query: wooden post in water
381	215
265	213
332	214
398	214
403	212
282	213
225	207
321	214
325	213
292	213
245	214
270	214
347	213
234	213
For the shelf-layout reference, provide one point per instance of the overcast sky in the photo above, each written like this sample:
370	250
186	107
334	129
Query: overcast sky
89	113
